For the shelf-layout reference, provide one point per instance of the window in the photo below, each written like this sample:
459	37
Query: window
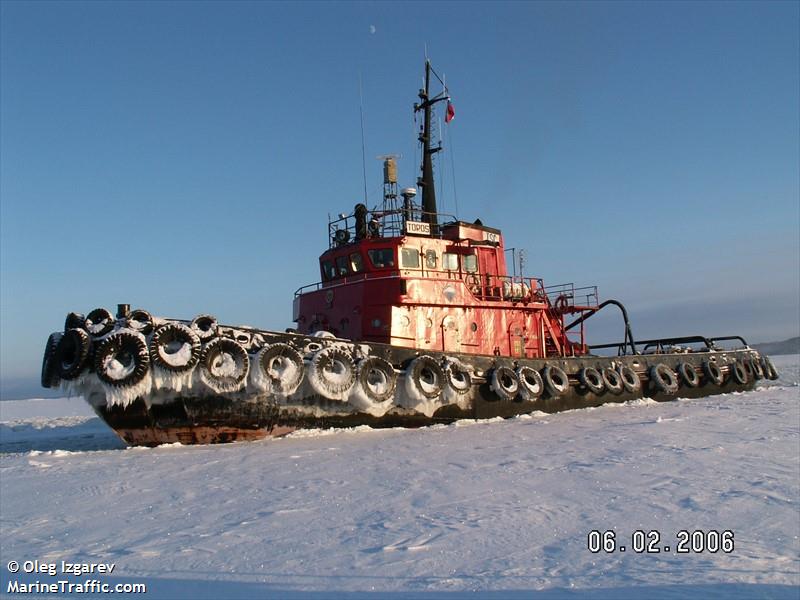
409	258
430	259
381	258
328	271
356	262
450	261
470	263
341	265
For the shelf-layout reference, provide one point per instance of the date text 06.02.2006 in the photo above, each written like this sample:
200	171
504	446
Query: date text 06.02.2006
652	542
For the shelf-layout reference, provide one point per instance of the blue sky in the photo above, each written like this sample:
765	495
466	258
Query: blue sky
183	157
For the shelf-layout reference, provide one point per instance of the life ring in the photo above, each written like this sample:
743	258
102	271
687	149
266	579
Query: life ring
612	380
332	373
74	321
591	379
205	326
99	322
712	372
555	380
688	374
175	347
531	385
664	378
426	377
224	365
738	372
140	320
49	370
71	353
458	378
375	376
505	382
283	367
630	379
122	360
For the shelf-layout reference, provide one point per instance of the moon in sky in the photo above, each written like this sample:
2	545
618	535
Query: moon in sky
372	29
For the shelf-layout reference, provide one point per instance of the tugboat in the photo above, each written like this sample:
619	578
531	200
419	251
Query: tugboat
416	320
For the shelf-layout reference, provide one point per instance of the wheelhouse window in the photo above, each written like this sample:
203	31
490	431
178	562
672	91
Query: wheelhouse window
328	272
381	258
430	259
409	258
356	262
341	266
450	261
470	263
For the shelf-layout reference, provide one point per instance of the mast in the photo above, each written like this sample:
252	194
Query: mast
426	181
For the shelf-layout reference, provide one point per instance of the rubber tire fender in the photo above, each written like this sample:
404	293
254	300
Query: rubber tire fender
74	321
283	353
50	377
612	380
688	375
72	353
713	373
738	372
505	382
591	379
205	326
140	320
530	382
376	367
664	378
99	322
773	373
224	383
555	380
758	372
458	378
426	366
327	360
630	379
122	343
167	334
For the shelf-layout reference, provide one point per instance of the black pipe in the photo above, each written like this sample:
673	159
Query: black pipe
628	334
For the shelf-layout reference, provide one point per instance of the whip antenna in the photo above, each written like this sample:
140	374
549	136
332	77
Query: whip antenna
363	150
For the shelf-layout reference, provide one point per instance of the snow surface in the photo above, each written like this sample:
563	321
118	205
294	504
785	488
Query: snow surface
487	509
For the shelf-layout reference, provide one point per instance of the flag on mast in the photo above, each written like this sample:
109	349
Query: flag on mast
451	112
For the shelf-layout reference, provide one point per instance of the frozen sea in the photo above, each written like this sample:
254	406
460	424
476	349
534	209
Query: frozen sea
489	509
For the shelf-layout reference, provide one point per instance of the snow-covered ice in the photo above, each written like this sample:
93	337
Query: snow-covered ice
499	509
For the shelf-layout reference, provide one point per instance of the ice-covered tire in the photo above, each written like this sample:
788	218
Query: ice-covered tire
758	372
630	379
591	379
122	360
332	373
72	353
531	385
555	380
140	320
174	347
224	365
504	382
688	374
458	378
612	380
712	372
663	378
769	369
205	326
99	322
282	366
376	378
49	371
74	321
426	377
738	372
